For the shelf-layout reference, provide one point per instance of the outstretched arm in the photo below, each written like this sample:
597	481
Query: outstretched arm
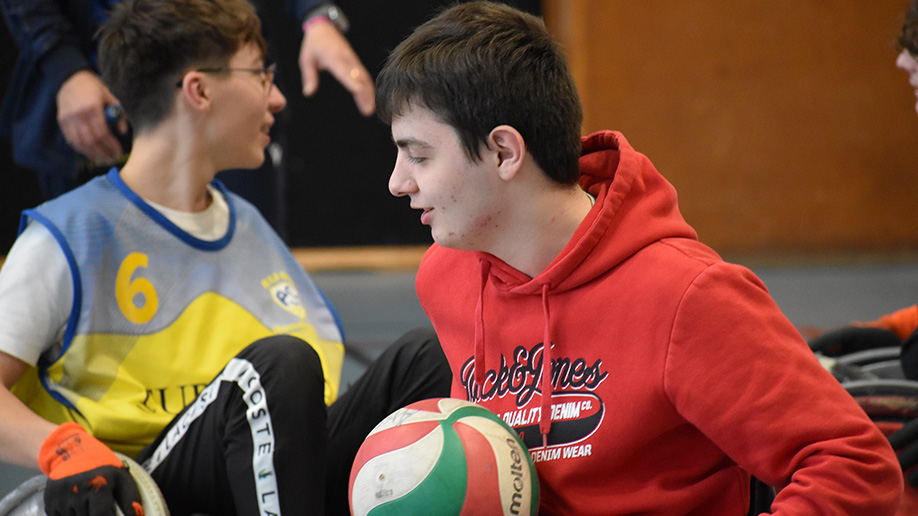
325	48
82	471
22	432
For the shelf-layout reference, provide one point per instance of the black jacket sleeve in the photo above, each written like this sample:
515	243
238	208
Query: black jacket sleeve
54	38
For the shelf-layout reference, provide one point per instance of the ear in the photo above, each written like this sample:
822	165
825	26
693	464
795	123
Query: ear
510	148
195	90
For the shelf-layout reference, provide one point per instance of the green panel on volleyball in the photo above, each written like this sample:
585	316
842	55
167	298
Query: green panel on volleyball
443	456
478	410
443	491
470	410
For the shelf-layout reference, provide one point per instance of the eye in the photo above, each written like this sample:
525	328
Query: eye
414	159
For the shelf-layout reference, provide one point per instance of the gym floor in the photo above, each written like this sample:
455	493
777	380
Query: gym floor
376	307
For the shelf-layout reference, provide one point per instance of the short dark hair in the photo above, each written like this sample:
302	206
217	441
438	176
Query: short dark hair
908	38
146	45
478	65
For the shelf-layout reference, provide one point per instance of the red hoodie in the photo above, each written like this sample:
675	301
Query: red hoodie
673	374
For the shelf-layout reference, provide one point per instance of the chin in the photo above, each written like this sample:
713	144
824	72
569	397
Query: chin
254	162
451	242
441	241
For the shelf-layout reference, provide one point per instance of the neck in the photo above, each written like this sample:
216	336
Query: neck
546	223
166	167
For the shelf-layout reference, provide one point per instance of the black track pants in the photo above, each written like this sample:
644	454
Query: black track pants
412	369
259	439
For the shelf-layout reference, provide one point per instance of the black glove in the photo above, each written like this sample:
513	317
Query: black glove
85	478
850	339
905	442
93	493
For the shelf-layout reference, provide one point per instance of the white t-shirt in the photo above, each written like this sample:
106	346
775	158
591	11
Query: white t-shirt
36	291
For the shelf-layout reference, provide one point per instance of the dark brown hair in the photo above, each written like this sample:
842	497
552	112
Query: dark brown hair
478	65
147	45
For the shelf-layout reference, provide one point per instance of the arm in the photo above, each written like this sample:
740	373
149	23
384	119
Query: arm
889	331
325	48
902	322
73	460
22	432
59	47
740	372
81	102
35	298
46	38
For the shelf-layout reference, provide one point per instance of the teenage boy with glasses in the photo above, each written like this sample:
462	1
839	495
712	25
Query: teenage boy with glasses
154	313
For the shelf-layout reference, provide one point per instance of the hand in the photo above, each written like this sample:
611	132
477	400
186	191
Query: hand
325	48
81	103
85	478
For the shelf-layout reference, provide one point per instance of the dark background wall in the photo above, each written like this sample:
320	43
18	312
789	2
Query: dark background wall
339	161
786	127
334	189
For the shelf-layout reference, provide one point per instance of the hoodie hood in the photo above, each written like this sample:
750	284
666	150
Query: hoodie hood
626	363
635	206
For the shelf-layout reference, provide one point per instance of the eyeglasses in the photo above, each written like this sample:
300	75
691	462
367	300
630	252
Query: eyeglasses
266	73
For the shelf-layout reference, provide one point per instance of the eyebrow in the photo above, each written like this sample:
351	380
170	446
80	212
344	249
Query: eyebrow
404	143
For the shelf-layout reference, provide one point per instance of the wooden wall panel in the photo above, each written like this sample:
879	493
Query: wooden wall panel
785	126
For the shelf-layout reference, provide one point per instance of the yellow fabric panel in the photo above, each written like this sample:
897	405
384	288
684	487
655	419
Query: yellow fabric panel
130	387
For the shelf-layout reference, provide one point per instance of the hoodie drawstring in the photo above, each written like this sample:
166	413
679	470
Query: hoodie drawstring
545	414
480	367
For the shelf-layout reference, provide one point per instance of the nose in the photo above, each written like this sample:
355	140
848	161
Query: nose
906	61
276	100
400	181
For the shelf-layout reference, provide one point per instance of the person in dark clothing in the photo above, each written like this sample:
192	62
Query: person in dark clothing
167	320
65	124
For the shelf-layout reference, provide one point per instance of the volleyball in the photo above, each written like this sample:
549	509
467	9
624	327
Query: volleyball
443	456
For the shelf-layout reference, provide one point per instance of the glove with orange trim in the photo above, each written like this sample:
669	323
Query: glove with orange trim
85	478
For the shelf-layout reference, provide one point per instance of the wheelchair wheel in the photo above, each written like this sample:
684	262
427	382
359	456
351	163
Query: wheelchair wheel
870	364
26	499
878	363
890	403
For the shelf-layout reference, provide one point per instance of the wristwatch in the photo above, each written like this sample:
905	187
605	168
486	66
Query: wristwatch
334	15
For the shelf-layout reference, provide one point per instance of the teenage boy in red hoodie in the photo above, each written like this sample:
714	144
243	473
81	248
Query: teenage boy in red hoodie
645	374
